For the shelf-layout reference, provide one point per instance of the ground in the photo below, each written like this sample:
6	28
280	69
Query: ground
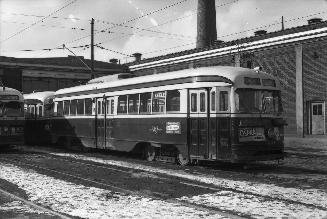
54	183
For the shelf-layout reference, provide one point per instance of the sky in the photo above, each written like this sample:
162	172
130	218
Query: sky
39	28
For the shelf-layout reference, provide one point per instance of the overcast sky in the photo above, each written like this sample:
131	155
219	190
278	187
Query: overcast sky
168	29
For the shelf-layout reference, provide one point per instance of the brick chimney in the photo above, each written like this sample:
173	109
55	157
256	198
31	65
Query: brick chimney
137	56
206	23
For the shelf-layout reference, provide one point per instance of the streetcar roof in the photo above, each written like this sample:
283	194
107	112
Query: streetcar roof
38	97
227	74
6	91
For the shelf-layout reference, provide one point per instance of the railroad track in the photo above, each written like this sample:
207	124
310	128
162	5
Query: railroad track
33	204
111	187
162	176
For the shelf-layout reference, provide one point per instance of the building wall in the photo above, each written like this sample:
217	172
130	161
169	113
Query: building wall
281	62
31	84
11	77
314	75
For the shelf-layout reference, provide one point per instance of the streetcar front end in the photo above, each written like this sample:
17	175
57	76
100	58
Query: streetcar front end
257	124
11	117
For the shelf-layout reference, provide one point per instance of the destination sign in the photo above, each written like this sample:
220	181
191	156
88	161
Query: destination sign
9	97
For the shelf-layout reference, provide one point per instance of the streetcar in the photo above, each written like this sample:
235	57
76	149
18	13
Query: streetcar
217	113
38	108
11	117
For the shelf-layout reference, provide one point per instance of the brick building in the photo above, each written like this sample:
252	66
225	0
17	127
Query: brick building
50	74
297	56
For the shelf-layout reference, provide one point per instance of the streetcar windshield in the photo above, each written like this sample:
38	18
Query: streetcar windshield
11	109
258	101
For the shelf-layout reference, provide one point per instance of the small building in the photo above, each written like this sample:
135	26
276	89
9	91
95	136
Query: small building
51	74
297	56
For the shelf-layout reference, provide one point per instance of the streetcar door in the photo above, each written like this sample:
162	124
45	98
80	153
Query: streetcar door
109	121
198	123
223	123
100	123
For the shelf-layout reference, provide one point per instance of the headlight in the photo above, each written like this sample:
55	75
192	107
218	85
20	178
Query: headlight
274	133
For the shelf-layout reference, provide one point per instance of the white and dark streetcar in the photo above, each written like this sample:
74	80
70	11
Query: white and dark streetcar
210	113
38	111
11	117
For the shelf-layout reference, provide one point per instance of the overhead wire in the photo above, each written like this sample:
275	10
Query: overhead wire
39	21
171	21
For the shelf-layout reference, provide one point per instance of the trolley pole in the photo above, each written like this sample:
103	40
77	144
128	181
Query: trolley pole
92	48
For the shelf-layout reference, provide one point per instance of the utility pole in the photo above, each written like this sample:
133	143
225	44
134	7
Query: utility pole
92	48
283	23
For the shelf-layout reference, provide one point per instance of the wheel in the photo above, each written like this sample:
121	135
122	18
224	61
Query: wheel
149	153
182	160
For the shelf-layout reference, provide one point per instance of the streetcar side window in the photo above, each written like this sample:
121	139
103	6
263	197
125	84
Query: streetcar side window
223	101
133	104
73	107
213	101
48	109
88	106
145	105
80	107
202	102
112	106
100	107
158	102
32	111
108	107
66	107
60	108
40	113
194	102
173	101
122	104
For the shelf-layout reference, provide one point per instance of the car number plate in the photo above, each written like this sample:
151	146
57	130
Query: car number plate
245	132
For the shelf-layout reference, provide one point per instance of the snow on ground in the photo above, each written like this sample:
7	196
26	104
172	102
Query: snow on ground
309	163
256	207
308	196
20	208
308	177
90	202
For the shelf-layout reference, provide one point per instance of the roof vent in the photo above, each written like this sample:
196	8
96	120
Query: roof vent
314	21
219	42
110	78
260	32
137	56
114	61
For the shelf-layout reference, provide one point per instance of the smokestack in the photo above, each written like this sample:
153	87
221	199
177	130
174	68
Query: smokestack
137	56
206	27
